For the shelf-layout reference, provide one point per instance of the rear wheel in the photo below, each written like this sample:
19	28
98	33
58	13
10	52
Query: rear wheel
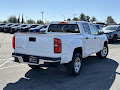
16	59
103	54
11	32
75	65
114	38
34	66
5	31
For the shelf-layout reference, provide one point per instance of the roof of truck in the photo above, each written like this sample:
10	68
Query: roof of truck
68	22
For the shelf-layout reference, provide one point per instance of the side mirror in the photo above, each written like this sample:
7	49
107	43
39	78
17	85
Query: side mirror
101	32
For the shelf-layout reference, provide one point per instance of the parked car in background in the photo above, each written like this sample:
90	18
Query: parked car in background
26	29
99	26
38	28
1	27
2	24
63	43
7	25
8	28
17	28
112	32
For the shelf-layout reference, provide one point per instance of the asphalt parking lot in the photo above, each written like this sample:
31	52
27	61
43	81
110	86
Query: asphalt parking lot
95	74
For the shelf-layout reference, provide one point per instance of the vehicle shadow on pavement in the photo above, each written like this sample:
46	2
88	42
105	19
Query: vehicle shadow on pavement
95	74
115	43
118	73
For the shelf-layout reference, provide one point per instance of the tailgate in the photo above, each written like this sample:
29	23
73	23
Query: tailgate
34	44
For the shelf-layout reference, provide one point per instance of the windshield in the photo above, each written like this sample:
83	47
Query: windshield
71	28
111	28
8	24
23	25
28	26
38	27
14	25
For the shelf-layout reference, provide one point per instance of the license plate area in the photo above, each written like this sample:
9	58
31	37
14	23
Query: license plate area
33	59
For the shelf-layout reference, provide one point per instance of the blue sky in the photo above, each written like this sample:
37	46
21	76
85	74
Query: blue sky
54	10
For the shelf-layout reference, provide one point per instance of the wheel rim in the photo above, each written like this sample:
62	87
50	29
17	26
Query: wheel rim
104	52
77	64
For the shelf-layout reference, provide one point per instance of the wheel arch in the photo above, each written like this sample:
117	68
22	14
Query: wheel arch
106	43
78	50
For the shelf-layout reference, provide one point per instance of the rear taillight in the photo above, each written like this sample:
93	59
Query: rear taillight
57	45
13	42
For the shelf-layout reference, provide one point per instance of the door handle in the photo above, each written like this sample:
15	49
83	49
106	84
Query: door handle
32	39
87	38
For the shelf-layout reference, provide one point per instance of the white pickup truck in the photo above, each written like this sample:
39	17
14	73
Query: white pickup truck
63	43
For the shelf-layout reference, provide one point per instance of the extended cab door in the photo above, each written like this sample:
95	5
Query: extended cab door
92	41
96	37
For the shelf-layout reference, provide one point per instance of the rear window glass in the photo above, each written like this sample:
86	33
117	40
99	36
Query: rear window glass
111	28
9	24
70	28
33	26
23	25
97	26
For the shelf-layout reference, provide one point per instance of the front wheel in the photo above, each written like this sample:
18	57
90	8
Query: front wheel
75	65
103	54
114	38
11	32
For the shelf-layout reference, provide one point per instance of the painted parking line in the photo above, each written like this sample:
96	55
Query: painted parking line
6	59
6	62
11	66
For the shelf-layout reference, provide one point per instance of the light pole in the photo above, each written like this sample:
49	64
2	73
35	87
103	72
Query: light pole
74	15
26	20
64	17
42	15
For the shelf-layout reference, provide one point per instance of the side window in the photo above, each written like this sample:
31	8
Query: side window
86	28
93	30
118	28
97	26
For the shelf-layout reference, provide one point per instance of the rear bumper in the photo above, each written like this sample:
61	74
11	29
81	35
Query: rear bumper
43	61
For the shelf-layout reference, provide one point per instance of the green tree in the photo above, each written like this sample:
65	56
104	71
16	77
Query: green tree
40	22
12	19
110	20
22	19
82	17
75	19
19	19
30	21
68	19
87	18
5	21
93	19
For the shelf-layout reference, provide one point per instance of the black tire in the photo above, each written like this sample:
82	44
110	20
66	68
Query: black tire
5	31
71	68
16	59
114	39
102	55
34	66
11	32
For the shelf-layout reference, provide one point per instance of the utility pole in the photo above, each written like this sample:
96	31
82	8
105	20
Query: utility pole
64	17
26	20
42	15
